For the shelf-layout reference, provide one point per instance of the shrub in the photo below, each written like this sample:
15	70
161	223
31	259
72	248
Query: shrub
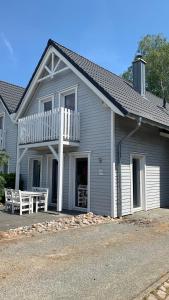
8	181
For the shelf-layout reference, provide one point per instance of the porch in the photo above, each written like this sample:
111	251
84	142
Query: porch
49	133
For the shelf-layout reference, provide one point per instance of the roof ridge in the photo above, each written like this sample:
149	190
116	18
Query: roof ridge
13	84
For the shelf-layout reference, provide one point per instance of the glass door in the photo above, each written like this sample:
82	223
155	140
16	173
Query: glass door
81	182
54	181
138	182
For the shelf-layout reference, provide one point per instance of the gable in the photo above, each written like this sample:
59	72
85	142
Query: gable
10	95
51	64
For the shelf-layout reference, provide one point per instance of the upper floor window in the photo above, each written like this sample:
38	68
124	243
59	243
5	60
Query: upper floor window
46	103
70	101
1	121
68	98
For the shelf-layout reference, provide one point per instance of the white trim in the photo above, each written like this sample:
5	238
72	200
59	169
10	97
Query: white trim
78	73
52	74
143	205
2	114
55	154
71	197
46	144
68	91
44	99
112	184
30	160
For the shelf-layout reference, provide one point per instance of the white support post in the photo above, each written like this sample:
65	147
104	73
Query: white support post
19	158
17	170
60	163
53	152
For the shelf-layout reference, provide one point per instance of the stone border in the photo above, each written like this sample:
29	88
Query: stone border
62	223
153	287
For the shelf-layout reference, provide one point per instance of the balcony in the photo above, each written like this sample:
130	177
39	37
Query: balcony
45	126
2	139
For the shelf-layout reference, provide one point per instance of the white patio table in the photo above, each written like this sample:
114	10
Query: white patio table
35	198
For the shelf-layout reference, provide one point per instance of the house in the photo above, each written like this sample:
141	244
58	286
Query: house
10	96
98	142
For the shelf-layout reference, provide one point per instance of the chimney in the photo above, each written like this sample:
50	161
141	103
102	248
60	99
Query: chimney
139	74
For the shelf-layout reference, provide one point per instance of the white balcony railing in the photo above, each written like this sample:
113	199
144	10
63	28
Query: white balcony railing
45	126
2	139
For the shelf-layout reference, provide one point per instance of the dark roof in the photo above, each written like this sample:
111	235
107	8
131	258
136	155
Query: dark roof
120	92
10	95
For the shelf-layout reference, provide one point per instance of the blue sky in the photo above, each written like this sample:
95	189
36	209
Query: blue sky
105	31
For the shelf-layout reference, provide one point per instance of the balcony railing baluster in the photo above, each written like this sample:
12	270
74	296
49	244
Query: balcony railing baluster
45	126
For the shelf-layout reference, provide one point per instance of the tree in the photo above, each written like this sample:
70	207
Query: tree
155	51
3	161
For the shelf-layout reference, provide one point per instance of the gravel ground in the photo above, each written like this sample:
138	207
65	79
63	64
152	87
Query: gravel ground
107	261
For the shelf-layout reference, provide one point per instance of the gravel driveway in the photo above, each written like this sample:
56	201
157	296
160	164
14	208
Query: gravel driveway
108	261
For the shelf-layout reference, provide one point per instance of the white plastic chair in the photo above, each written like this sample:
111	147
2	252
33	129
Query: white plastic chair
42	200
21	202
8	199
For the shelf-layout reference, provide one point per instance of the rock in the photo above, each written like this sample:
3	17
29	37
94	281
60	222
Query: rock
4	234
161	294
166	284
151	297
162	288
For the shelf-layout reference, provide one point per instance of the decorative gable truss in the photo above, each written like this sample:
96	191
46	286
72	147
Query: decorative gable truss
54	65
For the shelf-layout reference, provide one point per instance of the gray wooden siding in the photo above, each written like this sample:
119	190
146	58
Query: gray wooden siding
10	139
148	142
95	131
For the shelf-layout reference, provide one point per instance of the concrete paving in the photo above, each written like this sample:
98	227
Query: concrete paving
110	261
8	221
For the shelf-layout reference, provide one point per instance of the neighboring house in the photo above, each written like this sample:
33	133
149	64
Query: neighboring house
96	141
10	96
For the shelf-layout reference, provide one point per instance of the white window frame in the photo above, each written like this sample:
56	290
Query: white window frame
72	158
30	175
66	92
142	158
44	99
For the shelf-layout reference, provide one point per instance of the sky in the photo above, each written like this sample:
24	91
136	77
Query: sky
105	31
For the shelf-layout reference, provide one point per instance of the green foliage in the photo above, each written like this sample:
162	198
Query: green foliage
155	51
2	185
8	181
151	42
3	161
3	158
